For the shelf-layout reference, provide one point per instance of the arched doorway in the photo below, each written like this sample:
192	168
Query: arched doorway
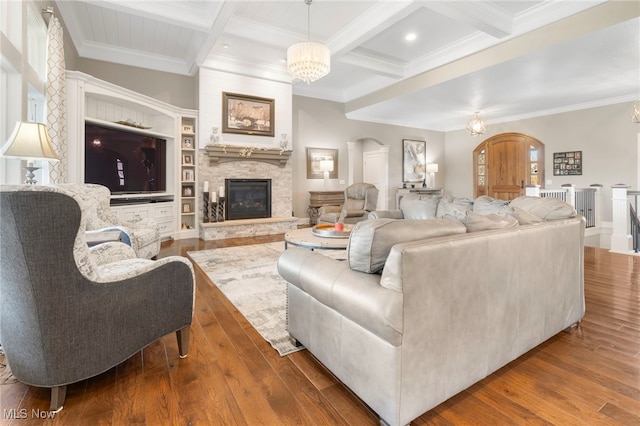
505	164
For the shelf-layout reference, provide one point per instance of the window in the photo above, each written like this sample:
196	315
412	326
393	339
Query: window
22	89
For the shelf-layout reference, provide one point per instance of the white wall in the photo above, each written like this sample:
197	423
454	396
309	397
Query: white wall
213	83
173	89
322	124
606	136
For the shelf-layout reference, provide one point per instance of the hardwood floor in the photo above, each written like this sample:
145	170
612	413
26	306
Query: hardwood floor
232	376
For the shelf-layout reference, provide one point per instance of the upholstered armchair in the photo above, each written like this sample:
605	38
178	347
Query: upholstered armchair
142	234
359	200
66	317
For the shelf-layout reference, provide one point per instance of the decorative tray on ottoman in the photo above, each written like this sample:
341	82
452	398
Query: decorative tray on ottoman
328	230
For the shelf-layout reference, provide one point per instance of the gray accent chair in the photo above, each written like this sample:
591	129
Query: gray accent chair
359	200
67	314
143	234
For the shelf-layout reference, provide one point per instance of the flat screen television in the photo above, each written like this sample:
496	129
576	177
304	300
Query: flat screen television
125	161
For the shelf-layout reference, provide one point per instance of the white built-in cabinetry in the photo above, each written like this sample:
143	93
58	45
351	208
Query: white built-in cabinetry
188	173
93	100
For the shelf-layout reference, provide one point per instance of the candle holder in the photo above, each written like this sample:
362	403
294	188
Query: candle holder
213	208
205	211
220	210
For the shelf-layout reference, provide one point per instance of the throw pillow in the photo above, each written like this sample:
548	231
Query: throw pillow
415	206
485	205
526	218
456	207
548	208
476	222
371	240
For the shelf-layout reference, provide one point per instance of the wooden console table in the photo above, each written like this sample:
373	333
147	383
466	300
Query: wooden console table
318	199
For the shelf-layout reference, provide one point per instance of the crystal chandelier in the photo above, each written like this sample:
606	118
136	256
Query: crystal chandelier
476	126
308	61
635	117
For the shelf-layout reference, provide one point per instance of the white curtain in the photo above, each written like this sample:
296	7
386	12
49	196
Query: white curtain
56	108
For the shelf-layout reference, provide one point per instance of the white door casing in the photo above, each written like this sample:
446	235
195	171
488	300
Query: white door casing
375	170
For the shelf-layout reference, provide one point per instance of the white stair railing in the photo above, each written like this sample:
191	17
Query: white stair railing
625	237
584	200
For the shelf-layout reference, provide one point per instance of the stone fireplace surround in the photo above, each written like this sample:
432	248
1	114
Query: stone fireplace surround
241	167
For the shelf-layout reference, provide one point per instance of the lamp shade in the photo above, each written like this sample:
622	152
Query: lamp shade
432	168
29	140
326	165
308	61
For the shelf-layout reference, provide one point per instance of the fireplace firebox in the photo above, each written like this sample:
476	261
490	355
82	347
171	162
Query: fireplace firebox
247	198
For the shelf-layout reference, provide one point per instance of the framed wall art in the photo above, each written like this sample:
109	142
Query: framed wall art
567	163
187	142
414	160
247	115
318	159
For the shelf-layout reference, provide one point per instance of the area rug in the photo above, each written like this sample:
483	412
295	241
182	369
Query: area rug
6	377
248	277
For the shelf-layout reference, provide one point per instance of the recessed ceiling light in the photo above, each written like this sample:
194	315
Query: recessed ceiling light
411	37
226	46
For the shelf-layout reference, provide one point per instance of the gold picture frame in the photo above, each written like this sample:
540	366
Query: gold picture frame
315	156
247	115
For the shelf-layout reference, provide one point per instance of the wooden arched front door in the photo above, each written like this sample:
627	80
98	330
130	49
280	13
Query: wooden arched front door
505	164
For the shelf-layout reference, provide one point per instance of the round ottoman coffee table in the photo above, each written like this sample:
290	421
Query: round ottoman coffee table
305	238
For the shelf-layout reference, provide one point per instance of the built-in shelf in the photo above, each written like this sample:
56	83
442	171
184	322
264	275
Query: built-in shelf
224	153
113	125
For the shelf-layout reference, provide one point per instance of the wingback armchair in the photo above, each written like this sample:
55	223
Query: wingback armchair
142	234
359	200
66	317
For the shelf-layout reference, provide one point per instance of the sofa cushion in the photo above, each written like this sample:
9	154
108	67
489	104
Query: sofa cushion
477	222
371	240
415	206
548	208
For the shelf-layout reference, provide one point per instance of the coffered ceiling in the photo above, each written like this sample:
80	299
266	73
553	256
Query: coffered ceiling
506	59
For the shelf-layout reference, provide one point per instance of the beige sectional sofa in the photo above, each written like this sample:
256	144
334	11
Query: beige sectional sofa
423	309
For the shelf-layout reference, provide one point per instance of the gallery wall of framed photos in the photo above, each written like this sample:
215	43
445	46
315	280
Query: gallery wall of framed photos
567	163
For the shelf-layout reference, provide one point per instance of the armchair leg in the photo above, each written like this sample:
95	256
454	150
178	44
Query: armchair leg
183	341
58	395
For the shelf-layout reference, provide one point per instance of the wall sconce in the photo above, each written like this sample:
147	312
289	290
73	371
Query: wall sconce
326	166
635	117
432	169
29	141
476	126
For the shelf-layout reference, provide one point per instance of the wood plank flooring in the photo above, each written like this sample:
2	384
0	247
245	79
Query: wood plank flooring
233	377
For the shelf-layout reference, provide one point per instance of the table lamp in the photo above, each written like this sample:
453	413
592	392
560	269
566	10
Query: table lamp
29	141
326	166
432	169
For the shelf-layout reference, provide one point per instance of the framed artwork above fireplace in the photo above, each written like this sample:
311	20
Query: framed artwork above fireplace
247	115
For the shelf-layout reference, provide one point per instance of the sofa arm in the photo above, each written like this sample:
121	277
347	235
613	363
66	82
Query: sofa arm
329	209
355	295
355	213
386	214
